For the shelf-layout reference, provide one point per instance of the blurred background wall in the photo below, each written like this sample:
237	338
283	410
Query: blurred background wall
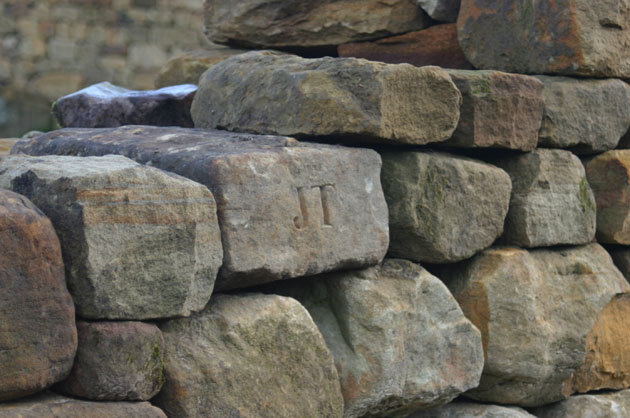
49	48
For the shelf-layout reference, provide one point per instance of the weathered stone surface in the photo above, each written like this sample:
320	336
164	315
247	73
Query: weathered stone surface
50	405
603	405
437	45
249	356
188	67
586	116
308	23
538	312
570	37
499	110
441	10
552	202
346	99
399	339
609	176
105	105
473	410
322	208
6	144
38	336
117	361
442	208
125	228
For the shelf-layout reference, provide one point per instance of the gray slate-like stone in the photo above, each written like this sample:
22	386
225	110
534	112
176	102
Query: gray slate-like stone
286	209
536	311
552	202
116	361
249	355
105	105
137	242
473	410
604	405
398	337
345	99
48	405
585	116
440	10
308	23
443	208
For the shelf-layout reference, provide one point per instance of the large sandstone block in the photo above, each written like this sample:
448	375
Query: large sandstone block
38	336
548	320
499	110
308	23
586	116
345	99
441	10
469	410
601	405
437	45
552	202
124	229
248	356
443	208
399	339
570	37
286	209
105	105
609	177
50	405
116	361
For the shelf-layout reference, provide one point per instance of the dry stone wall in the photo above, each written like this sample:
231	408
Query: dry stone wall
333	236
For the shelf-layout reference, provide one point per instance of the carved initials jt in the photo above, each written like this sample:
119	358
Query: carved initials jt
311	200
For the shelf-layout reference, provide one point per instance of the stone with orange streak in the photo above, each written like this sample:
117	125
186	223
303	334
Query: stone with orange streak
549	321
569	37
137	242
38	335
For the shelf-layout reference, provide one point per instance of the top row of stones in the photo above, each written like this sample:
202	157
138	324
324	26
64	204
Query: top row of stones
566	37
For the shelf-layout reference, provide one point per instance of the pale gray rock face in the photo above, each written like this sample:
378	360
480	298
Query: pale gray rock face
345	99
249	355
440	10
472	410
51	405
443	208
124	229
308	23
585	116
536	312
116	361
105	105
287	209
552	202
605	405
399	339
568	37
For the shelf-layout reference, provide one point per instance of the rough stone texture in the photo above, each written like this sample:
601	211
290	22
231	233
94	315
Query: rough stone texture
535	311
55	406
322	208
399	339
249	356
117	361
443	208
586	116
473	410
570	37
272	93
437	45
552	202
609	176
105	105
603	405
308	23
125	228
6	144
188	67
38	337
499	110
441	10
